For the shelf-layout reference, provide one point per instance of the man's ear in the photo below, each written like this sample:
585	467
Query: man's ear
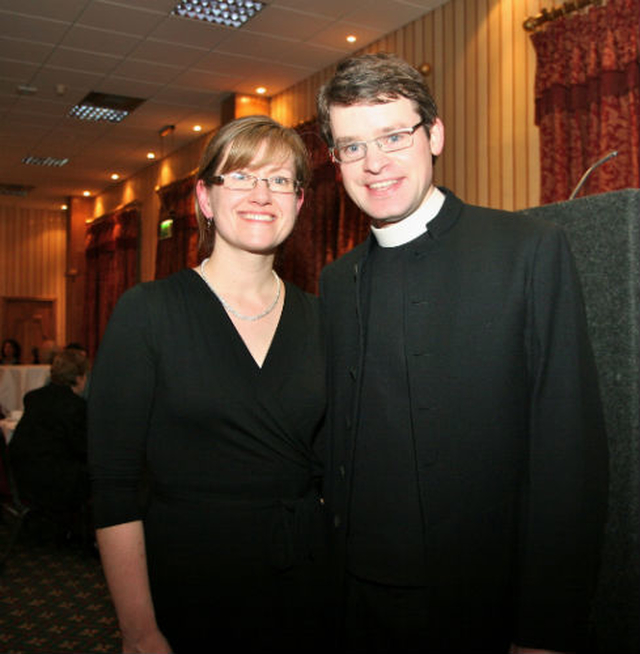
436	137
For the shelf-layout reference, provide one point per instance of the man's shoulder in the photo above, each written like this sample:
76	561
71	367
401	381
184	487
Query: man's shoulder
344	265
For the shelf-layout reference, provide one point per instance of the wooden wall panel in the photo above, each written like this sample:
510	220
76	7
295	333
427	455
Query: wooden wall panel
483	68
33	258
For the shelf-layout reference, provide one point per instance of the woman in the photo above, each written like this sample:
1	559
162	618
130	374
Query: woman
11	352
209	385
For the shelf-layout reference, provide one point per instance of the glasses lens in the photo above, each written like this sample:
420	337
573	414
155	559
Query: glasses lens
351	152
395	141
239	181
280	184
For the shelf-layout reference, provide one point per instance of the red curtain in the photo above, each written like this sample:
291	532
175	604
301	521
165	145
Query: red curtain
111	267
181	249
587	95
329	223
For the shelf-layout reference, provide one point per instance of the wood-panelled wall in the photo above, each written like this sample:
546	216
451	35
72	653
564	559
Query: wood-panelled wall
142	187
483	68
32	258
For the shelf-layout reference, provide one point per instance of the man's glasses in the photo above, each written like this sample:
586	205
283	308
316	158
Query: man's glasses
392	142
247	182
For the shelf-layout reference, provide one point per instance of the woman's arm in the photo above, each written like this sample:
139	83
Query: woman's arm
125	566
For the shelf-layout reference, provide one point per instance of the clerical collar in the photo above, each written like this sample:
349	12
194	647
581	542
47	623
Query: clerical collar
412	226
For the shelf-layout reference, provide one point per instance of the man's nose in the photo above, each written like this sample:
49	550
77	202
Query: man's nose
374	159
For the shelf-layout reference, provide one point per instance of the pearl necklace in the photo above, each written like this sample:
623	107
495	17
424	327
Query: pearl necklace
230	309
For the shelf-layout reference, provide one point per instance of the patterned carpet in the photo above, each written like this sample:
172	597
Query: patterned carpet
53	599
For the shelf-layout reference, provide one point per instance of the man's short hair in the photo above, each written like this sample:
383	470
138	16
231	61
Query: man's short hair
374	79
67	366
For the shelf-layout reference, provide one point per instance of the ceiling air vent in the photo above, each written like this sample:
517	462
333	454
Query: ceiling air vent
45	161
19	190
104	106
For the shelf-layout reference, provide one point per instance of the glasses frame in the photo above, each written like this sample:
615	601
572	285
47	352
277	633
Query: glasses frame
377	140
219	181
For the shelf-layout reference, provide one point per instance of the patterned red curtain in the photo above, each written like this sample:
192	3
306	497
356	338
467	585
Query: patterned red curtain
111	252
329	223
587	95
181	249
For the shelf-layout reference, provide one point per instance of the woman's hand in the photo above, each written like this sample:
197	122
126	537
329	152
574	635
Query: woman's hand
151	643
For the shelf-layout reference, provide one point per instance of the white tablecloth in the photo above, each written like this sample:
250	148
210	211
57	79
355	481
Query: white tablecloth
15	381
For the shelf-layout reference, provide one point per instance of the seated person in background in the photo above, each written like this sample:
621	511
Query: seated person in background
78	347
48	450
11	352
47	351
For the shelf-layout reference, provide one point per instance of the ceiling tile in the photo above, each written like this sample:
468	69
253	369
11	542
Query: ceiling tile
20	72
64	10
309	56
32	27
206	81
379	14
286	23
25	51
229	64
146	71
192	32
189	98
117	18
253	45
330	8
50	76
129	87
99	41
83	60
163	6
179	55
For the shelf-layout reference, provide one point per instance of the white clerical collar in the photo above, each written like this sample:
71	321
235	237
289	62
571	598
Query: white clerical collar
412	226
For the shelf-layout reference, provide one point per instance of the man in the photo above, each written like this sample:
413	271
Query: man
49	447
467	463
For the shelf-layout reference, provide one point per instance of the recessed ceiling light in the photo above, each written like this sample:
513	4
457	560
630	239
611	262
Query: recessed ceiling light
197	128
151	155
261	90
64	207
231	13
104	106
115	176
351	38
86	193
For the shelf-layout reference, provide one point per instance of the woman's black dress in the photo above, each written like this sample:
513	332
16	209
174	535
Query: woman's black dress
232	518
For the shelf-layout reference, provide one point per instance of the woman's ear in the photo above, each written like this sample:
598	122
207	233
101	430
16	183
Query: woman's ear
203	193
299	200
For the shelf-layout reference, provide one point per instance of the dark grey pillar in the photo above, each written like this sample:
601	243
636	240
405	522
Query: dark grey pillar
604	232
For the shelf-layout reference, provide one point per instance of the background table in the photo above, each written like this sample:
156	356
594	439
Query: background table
15	381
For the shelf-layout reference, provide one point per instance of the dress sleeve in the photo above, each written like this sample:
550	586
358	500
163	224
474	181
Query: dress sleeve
566	489
120	401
